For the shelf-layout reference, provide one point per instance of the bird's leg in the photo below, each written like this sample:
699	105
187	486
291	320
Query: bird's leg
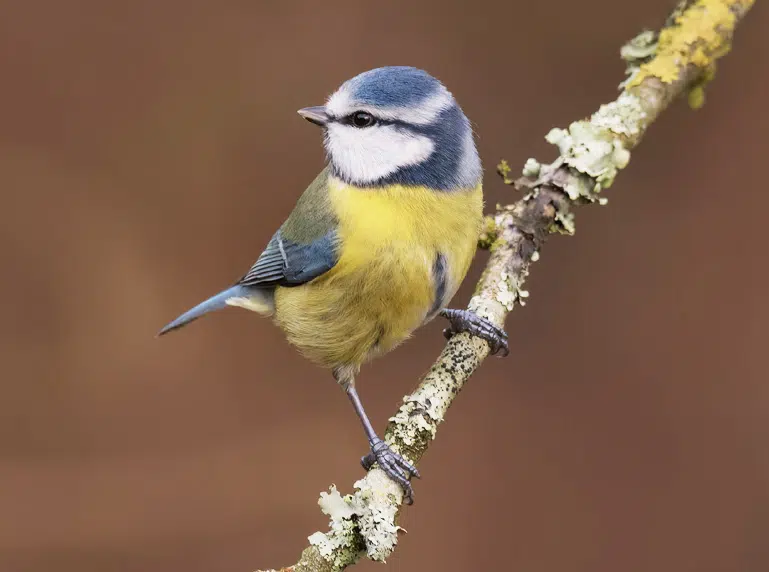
472	323
395	466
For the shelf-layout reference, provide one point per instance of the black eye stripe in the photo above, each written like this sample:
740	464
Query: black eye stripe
359	119
397	123
348	120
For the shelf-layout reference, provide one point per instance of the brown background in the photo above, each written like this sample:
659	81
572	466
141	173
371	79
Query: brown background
148	150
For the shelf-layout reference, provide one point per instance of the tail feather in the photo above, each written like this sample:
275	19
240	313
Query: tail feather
214	303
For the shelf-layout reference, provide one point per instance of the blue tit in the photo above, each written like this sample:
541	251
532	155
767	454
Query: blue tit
380	241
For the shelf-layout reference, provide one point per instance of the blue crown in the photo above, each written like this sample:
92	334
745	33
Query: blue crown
392	86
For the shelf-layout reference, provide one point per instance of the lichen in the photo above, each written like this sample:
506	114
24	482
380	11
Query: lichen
696	97
637	52
336	507
505	295
341	546
508	290
411	417
422	411
489	233
640	48
563	224
695	36
361	522
531	195
532	168
503	168
623	116
593	150
381	496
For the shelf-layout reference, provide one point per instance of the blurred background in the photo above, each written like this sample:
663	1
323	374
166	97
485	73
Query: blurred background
149	149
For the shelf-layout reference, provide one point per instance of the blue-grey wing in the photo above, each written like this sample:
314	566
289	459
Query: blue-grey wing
288	263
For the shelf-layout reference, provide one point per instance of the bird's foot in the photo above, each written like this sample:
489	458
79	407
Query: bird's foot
472	323
395	466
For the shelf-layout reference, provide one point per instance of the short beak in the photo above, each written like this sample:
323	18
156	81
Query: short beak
317	115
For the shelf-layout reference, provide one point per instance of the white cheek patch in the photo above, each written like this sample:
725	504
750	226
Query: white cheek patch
365	155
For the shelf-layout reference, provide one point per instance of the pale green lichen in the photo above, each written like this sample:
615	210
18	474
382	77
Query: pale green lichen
381	496
564	223
620	157
506	292
361	522
592	150
641	48
531	195
623	116
422	412
341	545
509	289
532	168
637	52
335	506
596	149
411	416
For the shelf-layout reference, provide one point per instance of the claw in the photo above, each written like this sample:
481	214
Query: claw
395	466
472	323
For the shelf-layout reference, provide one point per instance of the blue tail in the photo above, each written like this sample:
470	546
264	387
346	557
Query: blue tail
214	303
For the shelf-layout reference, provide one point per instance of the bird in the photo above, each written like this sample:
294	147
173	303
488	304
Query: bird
379	242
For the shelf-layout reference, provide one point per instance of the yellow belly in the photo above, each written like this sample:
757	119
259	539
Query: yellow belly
382	287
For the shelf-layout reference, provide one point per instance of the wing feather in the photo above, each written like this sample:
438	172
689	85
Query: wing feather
288	263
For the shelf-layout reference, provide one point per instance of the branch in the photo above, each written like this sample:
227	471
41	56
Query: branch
679	60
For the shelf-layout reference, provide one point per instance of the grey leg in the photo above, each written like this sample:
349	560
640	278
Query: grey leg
395	466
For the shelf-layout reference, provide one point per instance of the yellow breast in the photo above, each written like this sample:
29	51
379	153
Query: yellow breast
382	287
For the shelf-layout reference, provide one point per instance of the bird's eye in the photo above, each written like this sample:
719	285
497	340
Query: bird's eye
362	119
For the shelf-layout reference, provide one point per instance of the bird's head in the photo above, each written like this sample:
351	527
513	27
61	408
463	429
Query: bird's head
397	125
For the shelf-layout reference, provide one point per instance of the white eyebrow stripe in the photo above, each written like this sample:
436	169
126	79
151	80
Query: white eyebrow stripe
425	112
339	103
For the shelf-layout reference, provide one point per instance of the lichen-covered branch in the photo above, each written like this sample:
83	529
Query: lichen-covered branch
679	60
